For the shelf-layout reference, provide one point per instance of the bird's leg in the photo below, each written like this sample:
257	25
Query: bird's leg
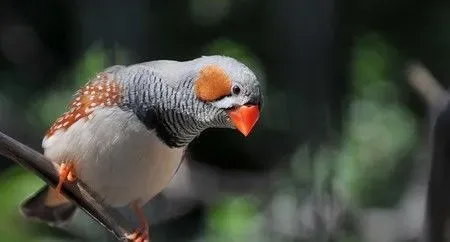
66	173
141	234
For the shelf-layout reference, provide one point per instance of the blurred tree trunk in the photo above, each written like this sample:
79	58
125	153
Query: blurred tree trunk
310	63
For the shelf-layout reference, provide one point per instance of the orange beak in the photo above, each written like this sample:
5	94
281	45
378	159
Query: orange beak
244	118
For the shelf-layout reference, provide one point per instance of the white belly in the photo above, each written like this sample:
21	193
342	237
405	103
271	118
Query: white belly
116	156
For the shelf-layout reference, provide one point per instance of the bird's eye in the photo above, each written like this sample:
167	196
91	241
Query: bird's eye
236	90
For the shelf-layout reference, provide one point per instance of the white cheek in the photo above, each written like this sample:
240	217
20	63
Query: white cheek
229	102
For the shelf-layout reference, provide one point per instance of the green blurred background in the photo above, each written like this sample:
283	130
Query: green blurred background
340	153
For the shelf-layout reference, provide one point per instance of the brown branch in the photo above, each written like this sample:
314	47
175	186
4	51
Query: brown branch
423	81
77	192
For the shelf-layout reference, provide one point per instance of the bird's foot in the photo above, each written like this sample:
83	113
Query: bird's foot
141	234
66	173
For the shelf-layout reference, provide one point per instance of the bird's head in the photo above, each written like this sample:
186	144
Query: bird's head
230	87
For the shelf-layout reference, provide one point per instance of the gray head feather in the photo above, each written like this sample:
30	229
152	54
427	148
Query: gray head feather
162	96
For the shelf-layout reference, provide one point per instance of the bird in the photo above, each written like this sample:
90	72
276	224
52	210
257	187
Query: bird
124	133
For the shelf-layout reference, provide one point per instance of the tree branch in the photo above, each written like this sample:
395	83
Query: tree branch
423	81
77	191
437	197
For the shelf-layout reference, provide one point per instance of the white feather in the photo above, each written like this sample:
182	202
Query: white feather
116	156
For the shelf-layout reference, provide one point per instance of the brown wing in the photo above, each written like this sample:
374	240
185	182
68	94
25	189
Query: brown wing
102	91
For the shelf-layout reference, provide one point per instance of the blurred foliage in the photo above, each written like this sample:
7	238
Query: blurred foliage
379	136
375	63
379	131
52	104
233	219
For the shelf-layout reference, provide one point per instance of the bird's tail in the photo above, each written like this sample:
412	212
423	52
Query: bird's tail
49	206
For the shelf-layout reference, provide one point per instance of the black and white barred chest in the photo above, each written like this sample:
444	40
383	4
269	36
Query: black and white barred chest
173	113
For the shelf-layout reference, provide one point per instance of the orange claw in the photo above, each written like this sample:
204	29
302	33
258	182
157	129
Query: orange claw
66	173
141	234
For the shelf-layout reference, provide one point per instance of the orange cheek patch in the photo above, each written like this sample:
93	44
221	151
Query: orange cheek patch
100	92
212	83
